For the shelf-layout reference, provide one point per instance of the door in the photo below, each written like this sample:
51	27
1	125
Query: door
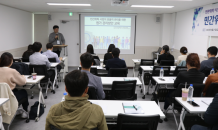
70	30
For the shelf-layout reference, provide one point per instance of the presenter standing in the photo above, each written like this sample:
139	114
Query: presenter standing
56	38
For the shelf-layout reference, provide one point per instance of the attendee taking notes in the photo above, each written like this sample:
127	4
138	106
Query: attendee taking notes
76	112
28	53
183	56
192	76
210	117
56	38
109	55
165	54
211	53
86	61
213	78
12	77
116	62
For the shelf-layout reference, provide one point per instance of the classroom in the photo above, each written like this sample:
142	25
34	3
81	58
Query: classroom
109	65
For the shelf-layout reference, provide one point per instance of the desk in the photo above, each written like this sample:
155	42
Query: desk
62	46
101	60
114	107
189	108
2	101
98	67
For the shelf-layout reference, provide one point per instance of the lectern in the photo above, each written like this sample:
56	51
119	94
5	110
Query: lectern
62	46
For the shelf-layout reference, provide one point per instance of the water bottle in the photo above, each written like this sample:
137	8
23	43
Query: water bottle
161	72
212	71
190	92
63	99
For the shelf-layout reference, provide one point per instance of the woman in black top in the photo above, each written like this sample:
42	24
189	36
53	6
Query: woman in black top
165	54
90	50
27	53
109	55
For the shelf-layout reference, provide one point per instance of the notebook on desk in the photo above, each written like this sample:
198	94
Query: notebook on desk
132	108
128	79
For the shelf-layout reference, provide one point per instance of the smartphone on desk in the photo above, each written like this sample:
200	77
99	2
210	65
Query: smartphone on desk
193	103
161	79
29	77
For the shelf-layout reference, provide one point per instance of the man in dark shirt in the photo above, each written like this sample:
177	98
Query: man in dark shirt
210	116
116	62
211	53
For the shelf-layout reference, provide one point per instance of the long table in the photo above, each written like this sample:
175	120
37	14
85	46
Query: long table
112	108
193	110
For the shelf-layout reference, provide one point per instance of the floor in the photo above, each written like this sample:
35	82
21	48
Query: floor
20	124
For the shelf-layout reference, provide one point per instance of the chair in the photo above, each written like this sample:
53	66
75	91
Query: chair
25	60
178	93
93	70
123	90
212	90
42	70
96	60
167	62
92	93
179	69
133	122
145	62
206	71
52	60
118	72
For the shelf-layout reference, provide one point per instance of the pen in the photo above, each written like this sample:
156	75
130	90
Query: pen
135	107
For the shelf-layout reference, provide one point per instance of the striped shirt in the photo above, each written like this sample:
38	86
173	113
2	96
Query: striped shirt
51	54
38	59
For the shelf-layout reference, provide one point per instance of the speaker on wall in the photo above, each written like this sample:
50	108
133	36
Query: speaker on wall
158	18
49	17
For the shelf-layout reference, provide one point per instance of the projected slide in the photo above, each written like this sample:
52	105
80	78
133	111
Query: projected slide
103	31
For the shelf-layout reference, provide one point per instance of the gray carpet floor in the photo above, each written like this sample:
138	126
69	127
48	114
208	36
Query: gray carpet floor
20	124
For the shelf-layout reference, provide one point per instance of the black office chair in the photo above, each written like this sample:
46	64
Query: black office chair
25	60
212	90
179	69
123	90
118	72
52	60
92	93
96	60
134	122
42	70
178	93
167	62
145	62
93	70
206	71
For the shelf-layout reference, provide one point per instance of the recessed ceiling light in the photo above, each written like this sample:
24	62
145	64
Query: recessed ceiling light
68	4
128	10
152	6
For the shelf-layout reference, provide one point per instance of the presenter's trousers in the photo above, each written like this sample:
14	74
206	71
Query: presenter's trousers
57	52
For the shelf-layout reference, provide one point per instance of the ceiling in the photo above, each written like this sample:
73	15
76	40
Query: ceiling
105	6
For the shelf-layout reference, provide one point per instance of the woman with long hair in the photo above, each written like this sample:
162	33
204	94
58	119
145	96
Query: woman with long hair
108	55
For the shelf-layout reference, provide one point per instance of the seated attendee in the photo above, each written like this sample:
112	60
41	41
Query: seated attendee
109	55
38	59
192	76
183	56
165	54
90	50
211	53
116	62
210	117
86	60
76	112
211	78
27	53
12	77
50	54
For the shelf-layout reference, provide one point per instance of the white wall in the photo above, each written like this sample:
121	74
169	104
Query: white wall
166	29
16	28
184	37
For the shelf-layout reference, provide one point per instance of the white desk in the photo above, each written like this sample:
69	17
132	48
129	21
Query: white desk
2	101
189	108
114	107
98	67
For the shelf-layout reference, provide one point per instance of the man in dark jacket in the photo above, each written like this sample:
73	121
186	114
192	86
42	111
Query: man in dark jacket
210	116
116	62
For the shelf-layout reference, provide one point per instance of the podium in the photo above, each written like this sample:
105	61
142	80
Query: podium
62	46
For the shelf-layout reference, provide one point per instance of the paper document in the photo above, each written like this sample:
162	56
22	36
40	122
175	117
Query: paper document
132	108
104	107
207	101
128	79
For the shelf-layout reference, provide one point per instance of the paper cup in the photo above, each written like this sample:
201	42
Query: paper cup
184	94
34	76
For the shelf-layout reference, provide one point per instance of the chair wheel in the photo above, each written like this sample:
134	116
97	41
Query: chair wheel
53	91
57	86
143	97
31	97
141	90
45	97
44	106
37	119
165	119
140	86
27	120
147	93
160	121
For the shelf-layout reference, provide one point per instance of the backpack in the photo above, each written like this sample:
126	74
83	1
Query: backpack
34	109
